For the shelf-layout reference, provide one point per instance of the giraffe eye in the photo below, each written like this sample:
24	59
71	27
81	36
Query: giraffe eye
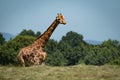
58	19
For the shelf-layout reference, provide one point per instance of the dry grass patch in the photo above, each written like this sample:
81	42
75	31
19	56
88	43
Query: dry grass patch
78	72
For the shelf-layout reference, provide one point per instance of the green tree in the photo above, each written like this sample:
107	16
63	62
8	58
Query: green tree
67	52
70	50
107	52
116	61
38	33
27	32
51	46
56	59
73	38
2	39
73	48
9	50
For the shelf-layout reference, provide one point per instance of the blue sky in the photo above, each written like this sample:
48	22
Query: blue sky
94	19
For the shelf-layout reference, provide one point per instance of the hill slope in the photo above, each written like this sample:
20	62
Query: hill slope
7	36
94	42
78	72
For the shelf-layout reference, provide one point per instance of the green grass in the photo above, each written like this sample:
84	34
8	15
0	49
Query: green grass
77	72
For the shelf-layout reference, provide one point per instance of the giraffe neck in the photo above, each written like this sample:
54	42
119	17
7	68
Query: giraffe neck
42	40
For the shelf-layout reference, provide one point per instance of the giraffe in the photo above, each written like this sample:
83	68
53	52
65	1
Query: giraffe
35	53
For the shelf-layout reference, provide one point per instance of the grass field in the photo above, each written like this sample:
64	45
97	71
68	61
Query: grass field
77	72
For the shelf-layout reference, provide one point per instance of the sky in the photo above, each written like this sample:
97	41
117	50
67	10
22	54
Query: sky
94	19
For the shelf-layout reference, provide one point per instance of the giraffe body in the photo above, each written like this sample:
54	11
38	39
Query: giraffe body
34	53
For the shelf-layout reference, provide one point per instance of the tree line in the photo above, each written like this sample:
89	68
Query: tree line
70	50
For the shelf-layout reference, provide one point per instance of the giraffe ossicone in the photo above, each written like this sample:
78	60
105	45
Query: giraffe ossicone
34	53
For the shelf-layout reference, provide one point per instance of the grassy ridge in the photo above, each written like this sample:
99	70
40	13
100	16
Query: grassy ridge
78	72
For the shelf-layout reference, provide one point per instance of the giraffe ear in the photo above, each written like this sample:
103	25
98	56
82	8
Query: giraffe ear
57	13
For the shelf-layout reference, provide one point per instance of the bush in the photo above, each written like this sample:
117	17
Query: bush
9	51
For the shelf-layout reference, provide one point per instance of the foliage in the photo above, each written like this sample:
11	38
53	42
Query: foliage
104	53
56	59
70	50
2	39
116	61
73	39
9	50
30	33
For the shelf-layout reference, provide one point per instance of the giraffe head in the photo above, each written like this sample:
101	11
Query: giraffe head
60	18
